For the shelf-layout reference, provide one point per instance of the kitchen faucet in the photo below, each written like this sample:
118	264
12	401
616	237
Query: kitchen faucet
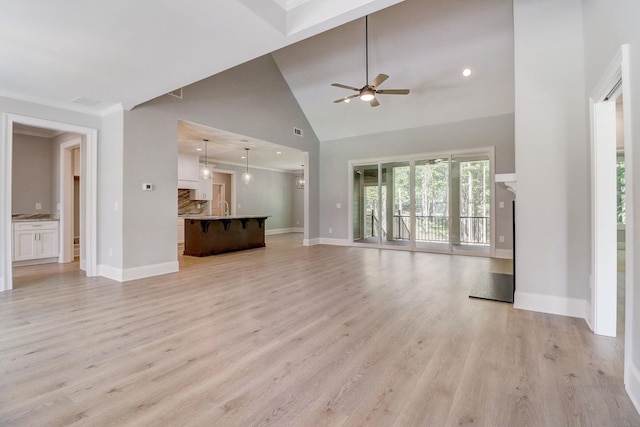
226	211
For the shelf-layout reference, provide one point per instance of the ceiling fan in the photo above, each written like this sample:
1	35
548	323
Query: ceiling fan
368	92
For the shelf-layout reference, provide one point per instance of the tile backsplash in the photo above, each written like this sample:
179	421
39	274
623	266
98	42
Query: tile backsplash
187	206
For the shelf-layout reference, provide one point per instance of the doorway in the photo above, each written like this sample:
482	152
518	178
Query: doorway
88	248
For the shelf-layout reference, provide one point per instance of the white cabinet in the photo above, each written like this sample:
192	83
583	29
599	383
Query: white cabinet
35	240
203	192
180	230
188	172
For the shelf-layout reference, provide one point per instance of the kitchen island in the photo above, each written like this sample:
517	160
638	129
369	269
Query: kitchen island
211	235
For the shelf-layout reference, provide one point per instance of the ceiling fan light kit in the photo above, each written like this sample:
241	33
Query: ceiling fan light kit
367	93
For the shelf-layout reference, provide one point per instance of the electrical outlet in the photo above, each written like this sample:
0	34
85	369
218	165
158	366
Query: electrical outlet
501	239
331	231
501	205
338	205
38	206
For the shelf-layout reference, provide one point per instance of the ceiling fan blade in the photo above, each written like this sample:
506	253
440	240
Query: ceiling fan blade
379	80
374	102
345	86
393	91
346	98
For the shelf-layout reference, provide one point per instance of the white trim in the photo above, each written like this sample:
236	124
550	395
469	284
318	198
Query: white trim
110	272
564	306
504	253
67	219
311	242
134	273
632	386
335	242
283	231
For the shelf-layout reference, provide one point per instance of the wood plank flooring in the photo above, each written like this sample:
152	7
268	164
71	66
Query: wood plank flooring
298	336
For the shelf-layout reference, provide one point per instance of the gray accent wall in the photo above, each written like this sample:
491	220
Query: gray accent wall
494	131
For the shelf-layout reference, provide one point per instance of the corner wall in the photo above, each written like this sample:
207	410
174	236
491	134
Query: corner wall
251	99
551	147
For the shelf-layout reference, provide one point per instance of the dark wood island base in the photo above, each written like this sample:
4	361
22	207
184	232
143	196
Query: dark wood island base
204	236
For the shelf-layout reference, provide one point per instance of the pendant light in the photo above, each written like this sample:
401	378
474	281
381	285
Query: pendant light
205	171
247	177
300	180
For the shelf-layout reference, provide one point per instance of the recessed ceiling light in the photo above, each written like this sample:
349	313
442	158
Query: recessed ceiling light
243	157
278	152
198	149
466	72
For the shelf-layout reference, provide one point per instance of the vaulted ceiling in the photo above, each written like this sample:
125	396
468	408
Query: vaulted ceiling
104	54
123	53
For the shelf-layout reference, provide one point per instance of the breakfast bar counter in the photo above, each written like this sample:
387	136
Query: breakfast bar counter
212	235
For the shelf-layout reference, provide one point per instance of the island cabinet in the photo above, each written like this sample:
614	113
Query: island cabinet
210	235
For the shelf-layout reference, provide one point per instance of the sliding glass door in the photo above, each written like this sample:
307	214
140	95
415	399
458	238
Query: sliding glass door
366	205
471	203
430	203
395	201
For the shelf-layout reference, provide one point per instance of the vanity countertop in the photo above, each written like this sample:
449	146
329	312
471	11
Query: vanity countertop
33	217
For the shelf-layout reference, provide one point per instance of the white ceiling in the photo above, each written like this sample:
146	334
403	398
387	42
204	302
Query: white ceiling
123	52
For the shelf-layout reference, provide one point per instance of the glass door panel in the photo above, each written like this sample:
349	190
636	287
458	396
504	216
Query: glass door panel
395	194
366	204
432	204
471	204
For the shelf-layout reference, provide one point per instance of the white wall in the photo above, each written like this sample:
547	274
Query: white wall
551	147
334	157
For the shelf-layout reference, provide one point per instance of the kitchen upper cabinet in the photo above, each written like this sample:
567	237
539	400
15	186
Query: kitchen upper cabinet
203	192
188	172
35	240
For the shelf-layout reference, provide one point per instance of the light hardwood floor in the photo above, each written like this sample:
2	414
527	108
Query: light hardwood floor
298	336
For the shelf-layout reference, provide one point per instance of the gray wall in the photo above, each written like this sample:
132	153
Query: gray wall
252	99
271	193
494	131
298	207
32	175
551	150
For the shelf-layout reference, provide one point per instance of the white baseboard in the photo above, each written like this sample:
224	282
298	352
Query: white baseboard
572	307
311	242
109	272
283	231
504	253
124	275
632	385
335	242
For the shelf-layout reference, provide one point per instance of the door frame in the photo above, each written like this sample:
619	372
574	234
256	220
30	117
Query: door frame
602	314
89	159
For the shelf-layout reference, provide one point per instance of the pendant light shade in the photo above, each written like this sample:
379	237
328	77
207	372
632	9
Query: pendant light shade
247	177
205	170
